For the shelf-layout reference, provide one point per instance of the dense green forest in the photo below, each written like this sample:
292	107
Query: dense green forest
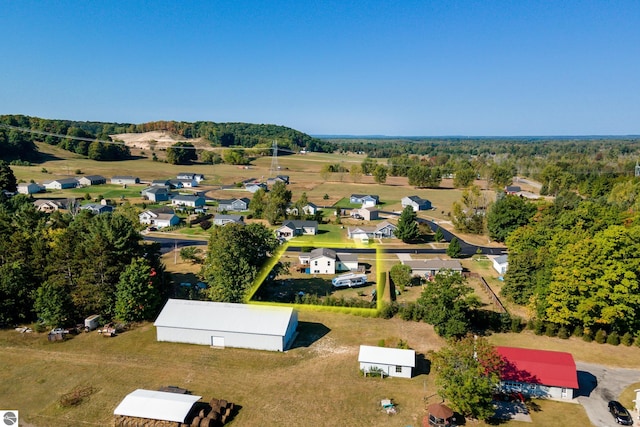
18	145
60	268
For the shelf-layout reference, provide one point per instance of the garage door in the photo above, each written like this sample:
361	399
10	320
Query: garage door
217	342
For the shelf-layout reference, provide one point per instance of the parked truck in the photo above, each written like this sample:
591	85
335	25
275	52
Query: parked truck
91	322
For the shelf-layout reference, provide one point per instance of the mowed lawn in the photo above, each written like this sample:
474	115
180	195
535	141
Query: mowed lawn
315	383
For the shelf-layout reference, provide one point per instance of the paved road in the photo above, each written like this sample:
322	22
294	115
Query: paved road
598	385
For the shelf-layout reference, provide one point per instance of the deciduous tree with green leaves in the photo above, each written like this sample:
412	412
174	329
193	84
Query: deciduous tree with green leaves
277	202
137	292
467	375
181	153
507	214
401	275
380	174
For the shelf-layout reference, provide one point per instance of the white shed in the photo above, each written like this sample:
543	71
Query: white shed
393	362
218	324
157	405
501	263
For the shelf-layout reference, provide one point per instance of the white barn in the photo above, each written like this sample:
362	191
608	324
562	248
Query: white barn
218	324
392	362
157	405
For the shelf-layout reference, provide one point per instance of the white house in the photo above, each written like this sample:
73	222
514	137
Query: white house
29	188
60	184
417	203
221	219
538	373
369	213
293	228
217	324
159	218
365	199
188	200
392	362
500	264
234	205
157	193
89	180
328	261
198	177
157	405
308	209
384	230
48	206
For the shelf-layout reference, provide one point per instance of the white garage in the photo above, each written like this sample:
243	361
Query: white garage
218	324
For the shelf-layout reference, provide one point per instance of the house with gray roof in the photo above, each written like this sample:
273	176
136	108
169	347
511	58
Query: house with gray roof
429	268
61	184
157	193
222	220
328	261
417	203
234	205
97	208
89	180
365	199
29	188
159	218
383	230
125	179
292	228
190	201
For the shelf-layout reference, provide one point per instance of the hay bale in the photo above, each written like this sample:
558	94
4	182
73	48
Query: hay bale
206	422
231	406
214	401
213	415
216	408
223	403
223	419
196	422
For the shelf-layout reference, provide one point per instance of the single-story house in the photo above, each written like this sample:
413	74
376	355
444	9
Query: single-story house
156	193
125	179
328	261
500	264
159	218
538	373
186	183
97	208
48	206
176	184
157	405
221	219
234	205
197	177
60	184
292	228
161	182
392	362
217	324
365	199
308	209
417	203
369	213
88	180
252	187
512	189
383	230
188	200
432	267
29	188
278	178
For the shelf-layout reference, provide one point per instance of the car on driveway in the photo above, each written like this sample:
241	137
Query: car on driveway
620	413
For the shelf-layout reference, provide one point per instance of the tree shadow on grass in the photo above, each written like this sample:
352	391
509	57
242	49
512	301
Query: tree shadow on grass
308	333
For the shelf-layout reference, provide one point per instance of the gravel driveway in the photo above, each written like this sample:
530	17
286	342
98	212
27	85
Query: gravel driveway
600	384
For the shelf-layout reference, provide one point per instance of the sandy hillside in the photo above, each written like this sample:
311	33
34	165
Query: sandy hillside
158	139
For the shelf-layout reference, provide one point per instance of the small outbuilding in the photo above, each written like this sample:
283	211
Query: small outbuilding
217	324
500	264
157	405
392	362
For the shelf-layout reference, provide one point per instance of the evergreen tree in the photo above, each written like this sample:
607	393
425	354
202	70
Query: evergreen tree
407	227
454	250
7	178
438	236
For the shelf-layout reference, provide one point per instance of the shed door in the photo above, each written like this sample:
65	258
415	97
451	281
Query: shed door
217	342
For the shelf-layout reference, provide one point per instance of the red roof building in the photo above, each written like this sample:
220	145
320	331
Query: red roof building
547	369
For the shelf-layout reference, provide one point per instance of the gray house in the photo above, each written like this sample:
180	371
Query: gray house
60	184
384	230
221	219
188	200
429	268
125	179
29	188
97	208
156	193
234	205
365	199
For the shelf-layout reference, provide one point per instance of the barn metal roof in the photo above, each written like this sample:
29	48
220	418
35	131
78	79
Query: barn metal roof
387	356
219	316
157	405
550	368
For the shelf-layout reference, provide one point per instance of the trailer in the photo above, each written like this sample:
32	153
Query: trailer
349	280
91	322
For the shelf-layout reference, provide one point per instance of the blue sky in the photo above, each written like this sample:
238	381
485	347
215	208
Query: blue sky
421	68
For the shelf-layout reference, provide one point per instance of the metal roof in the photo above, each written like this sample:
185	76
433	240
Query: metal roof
550	368
434	264
229	317
157	405
387	356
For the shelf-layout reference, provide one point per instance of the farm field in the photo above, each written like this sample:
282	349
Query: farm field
315	383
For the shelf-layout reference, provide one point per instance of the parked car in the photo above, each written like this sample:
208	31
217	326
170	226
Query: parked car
620	413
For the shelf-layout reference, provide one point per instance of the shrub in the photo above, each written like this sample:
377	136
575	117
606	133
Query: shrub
563	333
586	337
78	172
601	336
637	341
627	339
382	343
516	325
613	338
577	332
44	170
388	310
551	330
538	327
